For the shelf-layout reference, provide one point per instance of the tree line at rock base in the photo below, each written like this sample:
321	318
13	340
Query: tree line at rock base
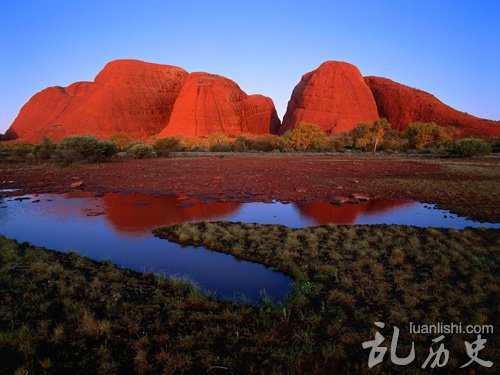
375	136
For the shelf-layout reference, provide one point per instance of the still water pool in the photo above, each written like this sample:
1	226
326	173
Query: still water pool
117	227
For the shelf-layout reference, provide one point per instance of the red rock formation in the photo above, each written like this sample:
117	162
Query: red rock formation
210	103
128	96
334	97
402	105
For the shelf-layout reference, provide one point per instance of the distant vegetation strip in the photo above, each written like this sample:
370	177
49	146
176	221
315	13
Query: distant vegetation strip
376	136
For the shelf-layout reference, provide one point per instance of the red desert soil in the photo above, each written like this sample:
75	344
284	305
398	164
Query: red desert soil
467	187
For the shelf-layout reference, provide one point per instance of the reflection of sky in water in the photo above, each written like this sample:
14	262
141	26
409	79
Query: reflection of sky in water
122	232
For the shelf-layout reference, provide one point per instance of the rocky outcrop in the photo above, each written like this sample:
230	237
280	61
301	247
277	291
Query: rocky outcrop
402	105
210	103
334	96
127	96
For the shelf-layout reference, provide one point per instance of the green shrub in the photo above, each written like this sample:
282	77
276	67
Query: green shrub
306	137
142	150
266	143
468	147
426	135
45	149
165	146
88	147
110	148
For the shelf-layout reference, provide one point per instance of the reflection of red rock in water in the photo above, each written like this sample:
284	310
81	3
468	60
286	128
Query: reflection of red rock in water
326	213
140	213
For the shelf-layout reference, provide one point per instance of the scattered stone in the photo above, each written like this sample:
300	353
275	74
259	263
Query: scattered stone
76	184
35	201
360	197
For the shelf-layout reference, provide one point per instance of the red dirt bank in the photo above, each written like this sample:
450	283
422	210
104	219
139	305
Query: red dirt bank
282	177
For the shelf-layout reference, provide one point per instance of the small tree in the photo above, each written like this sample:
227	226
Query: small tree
306	137
360	136
365	134
422	135
377	131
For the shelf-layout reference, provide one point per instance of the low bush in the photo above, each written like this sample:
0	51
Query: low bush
222	147
165	146
45	149
88	147
110	148
142	150
468	147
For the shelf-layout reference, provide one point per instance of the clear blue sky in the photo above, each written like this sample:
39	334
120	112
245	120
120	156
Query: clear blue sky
449	48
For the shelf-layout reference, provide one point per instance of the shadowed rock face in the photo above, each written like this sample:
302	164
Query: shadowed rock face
209	103
402	105
128	96
334	96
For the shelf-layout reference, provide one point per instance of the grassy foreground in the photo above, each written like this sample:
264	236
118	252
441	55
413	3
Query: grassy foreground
63	311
